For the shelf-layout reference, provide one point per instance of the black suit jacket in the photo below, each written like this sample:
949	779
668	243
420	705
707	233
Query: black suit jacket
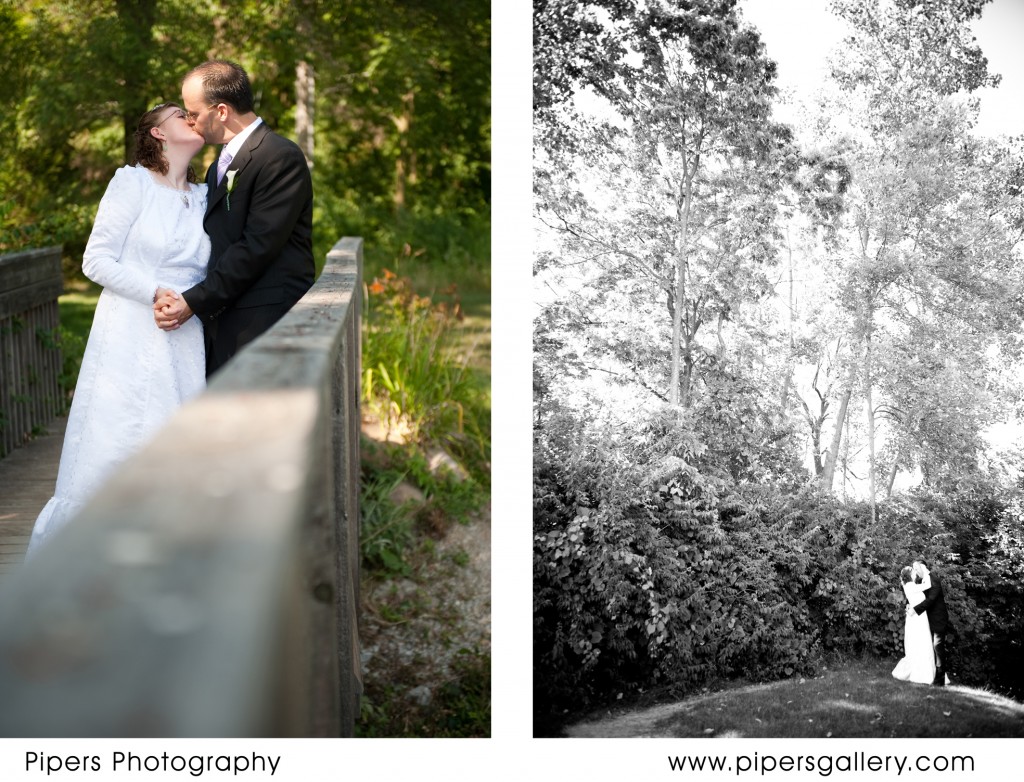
935	604
261	236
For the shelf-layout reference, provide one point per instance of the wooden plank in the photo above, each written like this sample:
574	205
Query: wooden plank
27	480
30	283
29	279
204	590
18	300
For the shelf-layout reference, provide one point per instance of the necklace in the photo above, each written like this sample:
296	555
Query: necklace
184	195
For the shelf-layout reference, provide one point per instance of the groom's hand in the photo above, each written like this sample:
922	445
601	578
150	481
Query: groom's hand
170	309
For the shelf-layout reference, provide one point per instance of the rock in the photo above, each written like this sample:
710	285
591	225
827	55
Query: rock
421	695
439	460
393	431
406	492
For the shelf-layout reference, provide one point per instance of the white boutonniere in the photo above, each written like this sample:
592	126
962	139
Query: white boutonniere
231	186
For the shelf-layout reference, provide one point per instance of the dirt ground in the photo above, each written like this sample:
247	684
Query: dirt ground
418	631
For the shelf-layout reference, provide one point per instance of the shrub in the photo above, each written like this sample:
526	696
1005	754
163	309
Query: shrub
413	372
655	568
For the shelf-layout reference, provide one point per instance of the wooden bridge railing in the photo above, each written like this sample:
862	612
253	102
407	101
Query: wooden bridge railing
210	589
30	362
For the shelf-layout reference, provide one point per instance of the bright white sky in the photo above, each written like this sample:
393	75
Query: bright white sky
800	34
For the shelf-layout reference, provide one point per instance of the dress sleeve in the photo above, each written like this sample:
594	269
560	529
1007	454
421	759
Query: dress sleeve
105	261
914	592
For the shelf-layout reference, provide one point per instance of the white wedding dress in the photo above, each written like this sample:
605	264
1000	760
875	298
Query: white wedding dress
918	663
133	376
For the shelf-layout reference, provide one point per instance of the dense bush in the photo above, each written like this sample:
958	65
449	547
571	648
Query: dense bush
659	564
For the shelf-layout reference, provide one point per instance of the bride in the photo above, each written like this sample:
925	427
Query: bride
918	663
148	237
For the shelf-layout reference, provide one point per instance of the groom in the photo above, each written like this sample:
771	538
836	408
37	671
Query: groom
938	619
259	216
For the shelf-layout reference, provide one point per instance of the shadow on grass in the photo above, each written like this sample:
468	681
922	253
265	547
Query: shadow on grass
855	699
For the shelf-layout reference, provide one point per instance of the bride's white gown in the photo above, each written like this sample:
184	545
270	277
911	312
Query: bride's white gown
133	375
918	663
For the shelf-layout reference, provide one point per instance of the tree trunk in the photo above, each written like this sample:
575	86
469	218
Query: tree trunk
816	445
871	425
137	18
815	424
846	458
828	476
792	307
679	380
305	92
787	381
892	475
405	172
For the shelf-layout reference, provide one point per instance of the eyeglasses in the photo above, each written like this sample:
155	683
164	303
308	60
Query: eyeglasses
180	114
192	116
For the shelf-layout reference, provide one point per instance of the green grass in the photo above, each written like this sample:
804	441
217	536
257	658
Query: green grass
423	368
849	699
460	708
426	359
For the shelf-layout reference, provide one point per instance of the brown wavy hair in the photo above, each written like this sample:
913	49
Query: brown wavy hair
148	149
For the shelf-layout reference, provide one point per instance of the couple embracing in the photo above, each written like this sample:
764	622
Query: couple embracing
927	625
235	251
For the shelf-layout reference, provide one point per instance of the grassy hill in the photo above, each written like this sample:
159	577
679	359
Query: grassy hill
853	699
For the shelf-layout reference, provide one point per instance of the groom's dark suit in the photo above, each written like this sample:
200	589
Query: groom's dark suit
938	621
261	259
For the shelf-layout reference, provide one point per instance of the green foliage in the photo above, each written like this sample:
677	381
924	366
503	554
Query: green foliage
401	108
401	157
409	111
460	708
389	532
413	373
387	529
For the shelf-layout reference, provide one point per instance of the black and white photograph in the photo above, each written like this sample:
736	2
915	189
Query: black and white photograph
778	306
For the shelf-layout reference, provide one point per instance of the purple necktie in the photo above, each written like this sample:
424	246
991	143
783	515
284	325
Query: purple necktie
222	165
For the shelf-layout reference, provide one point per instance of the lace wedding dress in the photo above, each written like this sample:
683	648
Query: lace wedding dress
918	663
133	375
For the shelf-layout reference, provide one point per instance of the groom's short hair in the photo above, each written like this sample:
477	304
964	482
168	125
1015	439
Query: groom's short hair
924	563
227	82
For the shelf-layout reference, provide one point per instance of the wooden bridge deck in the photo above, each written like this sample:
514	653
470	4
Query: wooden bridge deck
27	478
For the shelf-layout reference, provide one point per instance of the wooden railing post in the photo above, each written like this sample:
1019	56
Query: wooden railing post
30	360
345	395
210	588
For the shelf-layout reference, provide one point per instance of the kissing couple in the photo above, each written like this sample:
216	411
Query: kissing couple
925	659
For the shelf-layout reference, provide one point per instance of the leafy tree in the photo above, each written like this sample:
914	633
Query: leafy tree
397	95
687	170
871	264
921	208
